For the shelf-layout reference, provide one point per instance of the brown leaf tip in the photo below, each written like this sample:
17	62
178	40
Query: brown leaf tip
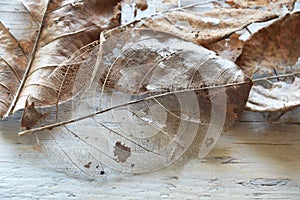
31	116
121	152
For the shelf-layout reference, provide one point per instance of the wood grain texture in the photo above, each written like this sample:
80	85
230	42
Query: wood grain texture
252	160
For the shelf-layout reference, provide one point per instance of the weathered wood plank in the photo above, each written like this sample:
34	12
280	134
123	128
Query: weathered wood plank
256	160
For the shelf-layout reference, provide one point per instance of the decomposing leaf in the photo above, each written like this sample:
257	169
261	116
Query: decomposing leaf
277	6
281	96
204	27
229	48
266	4
148	98
274	51
64	27
273	47
20	23
203	22
12	67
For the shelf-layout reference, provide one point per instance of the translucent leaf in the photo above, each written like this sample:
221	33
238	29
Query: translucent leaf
59	29
148	98
274	52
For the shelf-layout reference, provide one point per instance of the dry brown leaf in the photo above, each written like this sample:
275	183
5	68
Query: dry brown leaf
211	22
21	24
229	48
12	67
262	4
204	27
273	51
204	6
150	97
281	96
273	47
207	5
65	27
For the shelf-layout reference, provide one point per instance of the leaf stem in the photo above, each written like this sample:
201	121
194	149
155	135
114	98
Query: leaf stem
29	64
51	126
276	76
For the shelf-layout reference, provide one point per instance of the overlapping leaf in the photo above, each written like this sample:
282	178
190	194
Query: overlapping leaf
204	27
20	23
12	67
263	4
151	96
274	51
64	27
202	6
229	48
208	22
